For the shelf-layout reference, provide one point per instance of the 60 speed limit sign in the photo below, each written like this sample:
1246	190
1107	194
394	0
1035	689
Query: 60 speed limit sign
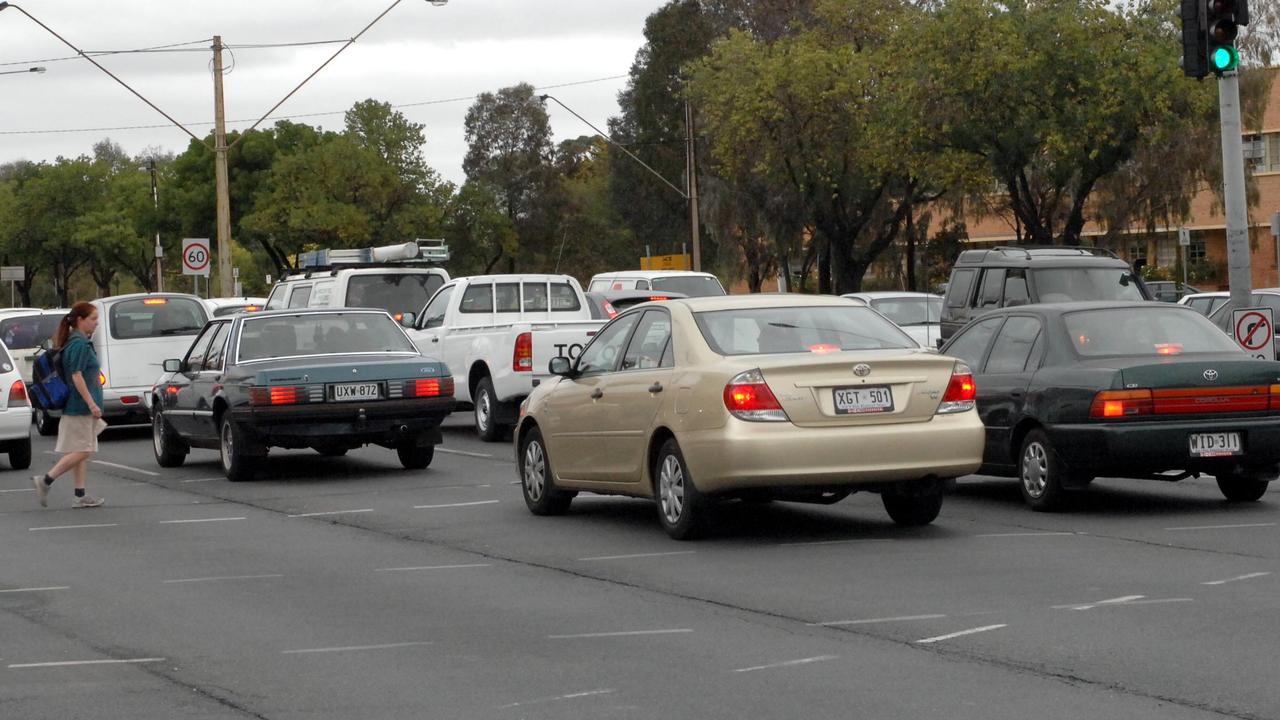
195	256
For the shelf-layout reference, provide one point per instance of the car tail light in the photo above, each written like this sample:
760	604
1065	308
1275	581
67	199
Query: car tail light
824	348
961	392
102	379
130	400
283	395
252	308
429	387
1199	401
1275	397
522	358
1116	404
608	309
18	394
749	398
658	298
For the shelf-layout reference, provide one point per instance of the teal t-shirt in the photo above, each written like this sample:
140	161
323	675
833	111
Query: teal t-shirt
78	356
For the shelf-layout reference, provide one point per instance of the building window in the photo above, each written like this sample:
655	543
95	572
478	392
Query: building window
1137	251
1272	162
1166	252
1196	252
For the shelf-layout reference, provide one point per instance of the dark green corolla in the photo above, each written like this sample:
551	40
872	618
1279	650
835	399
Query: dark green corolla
326	379
1070	392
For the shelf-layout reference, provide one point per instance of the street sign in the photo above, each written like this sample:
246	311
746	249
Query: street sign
12	273
195	256
1255	332
1184	237
666	262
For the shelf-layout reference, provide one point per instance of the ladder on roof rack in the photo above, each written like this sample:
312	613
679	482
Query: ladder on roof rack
414	252
1078	249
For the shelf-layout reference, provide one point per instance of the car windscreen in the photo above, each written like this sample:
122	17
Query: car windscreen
321	334
28	331
910	311
690	285
156	317
1137	332
397	293
1086	283
752	331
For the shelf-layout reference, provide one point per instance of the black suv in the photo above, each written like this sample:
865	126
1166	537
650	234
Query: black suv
1019	275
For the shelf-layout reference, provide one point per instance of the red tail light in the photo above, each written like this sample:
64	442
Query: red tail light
429	387
522	358
748	397
608	308
1116	404
18	394
283	395
1113	404
961	393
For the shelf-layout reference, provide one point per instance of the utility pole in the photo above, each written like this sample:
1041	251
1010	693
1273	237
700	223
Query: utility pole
1239	270
691	172
155	200
226	282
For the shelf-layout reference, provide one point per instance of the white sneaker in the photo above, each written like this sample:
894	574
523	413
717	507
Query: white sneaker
87	502
42	490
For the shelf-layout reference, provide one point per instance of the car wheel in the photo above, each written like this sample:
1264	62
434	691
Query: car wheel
913	506
1041	473
413	457
1240	487
236	463
170	451
536	480
46	424
20	455
486	407
681	508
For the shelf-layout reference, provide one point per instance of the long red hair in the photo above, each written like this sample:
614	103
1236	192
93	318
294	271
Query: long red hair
79	311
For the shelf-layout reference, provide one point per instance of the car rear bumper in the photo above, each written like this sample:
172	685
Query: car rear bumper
386	423
1120	449
760	455
15	423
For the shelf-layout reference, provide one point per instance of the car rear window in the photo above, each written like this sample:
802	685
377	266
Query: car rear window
28	331
156	317
691	285
1153	331
910	311
754	331
397	293
320	334
1083	283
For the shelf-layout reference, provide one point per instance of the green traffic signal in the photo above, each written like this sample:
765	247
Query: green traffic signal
1224	58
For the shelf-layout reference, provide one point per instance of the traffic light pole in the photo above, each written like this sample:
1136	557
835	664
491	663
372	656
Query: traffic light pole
1239	270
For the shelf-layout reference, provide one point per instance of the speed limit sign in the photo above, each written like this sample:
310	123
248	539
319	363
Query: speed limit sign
195	256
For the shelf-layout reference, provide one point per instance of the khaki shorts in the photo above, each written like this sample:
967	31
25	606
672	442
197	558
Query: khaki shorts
79	433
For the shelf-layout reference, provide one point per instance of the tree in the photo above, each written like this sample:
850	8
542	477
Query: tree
593	238
479	231
375	125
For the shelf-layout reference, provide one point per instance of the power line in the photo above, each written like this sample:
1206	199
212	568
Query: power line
442	101
98	53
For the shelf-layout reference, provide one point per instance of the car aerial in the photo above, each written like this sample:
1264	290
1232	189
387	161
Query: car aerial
1069	392
1169	290
606	304
687	282
15	413
1205	303
220	307
917	313
327	379
788	397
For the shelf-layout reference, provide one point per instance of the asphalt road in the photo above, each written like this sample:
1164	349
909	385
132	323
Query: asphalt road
350	588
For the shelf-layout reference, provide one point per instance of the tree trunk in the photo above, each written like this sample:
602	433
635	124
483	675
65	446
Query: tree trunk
911	250
824	267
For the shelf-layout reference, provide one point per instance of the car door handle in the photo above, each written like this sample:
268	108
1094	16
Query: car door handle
655	388
597	394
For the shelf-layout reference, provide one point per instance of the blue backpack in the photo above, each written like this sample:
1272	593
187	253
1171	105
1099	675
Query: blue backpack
49	390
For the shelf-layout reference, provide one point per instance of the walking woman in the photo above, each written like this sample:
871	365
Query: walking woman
82	417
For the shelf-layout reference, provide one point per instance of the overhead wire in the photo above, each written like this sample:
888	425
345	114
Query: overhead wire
173	47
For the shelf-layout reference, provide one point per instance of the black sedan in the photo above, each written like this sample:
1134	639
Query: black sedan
331	380
1070	392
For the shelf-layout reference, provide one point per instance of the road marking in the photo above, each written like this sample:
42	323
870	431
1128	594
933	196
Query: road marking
962	633
627	633
30	489
570	696
126	467
196	480
788	663
836	542
486	456
1223	527
1090	606
223	577
72	527
868	621
36	589
354	648
636	555
1250	576
200	520
452	505
69	663
331	512
433	567
1023	534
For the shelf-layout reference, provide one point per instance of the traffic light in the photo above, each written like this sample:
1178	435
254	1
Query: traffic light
1195	56
1222	21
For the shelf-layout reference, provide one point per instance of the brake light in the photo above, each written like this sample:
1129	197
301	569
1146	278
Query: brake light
961	393
283	395
252	308
18	394
608	308
155	301
748	397
522	358
824	348
1112	404
102	379
1168	348
658	298
398	317
429	387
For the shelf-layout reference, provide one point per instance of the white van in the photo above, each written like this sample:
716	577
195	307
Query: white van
686	282
135	334
25	332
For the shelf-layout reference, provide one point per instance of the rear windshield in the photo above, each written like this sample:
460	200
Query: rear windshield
1083	283
910	311
321	334
156	317
27	332
691	285
397	293
1150	331
799	329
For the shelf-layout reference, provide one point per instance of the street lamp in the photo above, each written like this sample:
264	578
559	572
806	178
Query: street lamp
23	72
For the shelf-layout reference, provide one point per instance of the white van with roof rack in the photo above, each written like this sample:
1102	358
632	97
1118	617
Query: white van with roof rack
686	282
396	278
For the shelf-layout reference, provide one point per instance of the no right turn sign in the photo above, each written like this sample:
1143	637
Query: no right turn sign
1255	332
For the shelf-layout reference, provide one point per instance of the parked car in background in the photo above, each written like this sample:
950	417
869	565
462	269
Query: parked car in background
1169	290
1069	392
326	379
605	305
760	397
687	282
1205	303
15	413
918	314
221	307
25	332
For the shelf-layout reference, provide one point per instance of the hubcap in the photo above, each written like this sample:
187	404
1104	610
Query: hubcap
1035	469
535	471
671	489
482	410
157	433
227	446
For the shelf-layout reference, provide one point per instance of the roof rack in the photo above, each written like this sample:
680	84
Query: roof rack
414	252
1062	249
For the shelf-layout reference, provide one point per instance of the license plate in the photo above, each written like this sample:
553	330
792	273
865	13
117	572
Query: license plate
349	392
1216	444
863	400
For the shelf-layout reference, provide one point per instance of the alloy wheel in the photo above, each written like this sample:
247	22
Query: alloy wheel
671	489
1035	469
535	471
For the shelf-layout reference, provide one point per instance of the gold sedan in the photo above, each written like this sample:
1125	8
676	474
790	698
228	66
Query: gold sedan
758	397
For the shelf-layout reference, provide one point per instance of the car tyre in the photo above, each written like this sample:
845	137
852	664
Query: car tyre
537	482
20	454
169	449
46	424
1043	477
485	404
237	464
682	510
911	506
1242	487
413	457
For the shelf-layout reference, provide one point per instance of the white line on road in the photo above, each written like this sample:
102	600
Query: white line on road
36	589
788	663
1223	527
30	489
433	567
1090	606
200	520
636	555
627	633
353	648
69	663
962	633
222	577
463	452
836	542
331	512
902	618
1159	601
453	505
72	527
196	480
570	696
1023	534
1250	576
126	467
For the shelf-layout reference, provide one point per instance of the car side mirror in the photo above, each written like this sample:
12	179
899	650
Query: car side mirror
407	319
172	366
561	366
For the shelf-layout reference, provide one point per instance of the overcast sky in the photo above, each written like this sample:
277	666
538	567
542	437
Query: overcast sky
418	53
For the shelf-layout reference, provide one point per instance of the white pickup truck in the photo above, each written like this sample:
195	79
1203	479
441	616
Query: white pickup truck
498	333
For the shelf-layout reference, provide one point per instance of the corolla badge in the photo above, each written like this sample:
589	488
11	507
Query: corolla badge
862	369
1211	375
